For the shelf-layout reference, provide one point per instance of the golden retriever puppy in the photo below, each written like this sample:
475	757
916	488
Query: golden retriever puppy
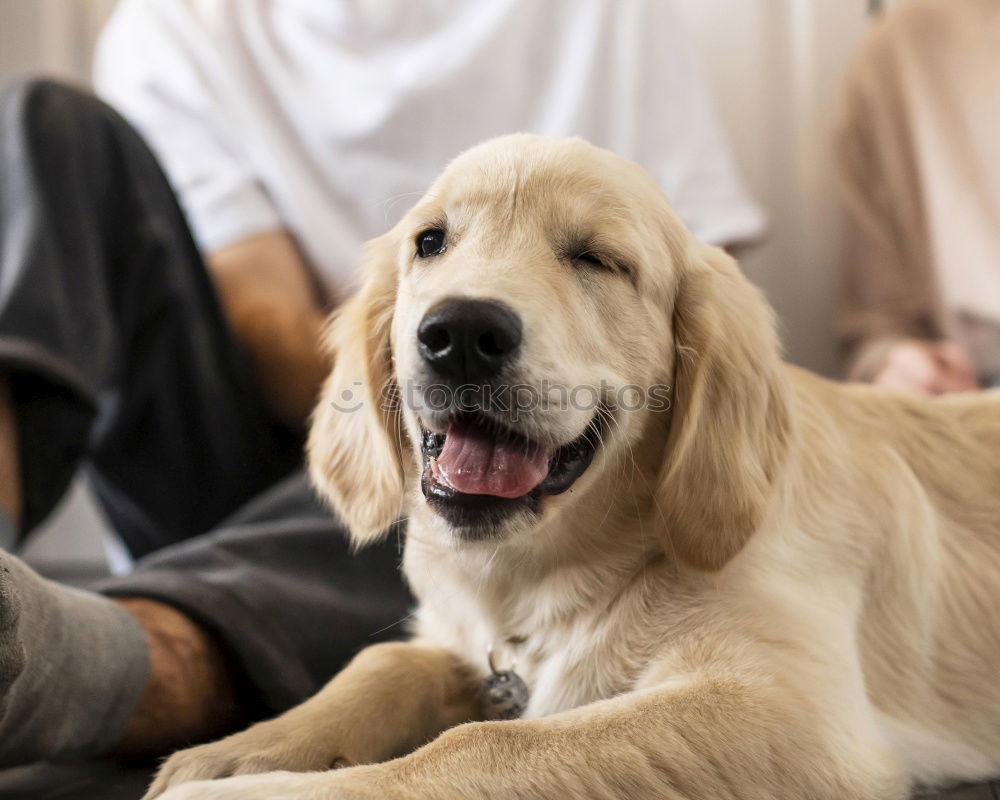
758	584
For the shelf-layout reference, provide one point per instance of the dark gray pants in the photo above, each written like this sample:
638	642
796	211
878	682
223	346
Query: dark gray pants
121	363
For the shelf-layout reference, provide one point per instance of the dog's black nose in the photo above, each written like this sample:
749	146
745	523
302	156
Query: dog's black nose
469	341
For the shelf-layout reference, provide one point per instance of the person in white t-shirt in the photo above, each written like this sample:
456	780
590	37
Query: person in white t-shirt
181	370
328	119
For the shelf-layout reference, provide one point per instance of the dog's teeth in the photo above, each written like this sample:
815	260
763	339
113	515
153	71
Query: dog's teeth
438	475
436	472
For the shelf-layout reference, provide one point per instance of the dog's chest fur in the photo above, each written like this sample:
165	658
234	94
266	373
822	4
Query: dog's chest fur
564	632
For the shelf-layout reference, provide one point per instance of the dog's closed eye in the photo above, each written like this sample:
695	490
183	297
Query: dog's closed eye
588	257
589	254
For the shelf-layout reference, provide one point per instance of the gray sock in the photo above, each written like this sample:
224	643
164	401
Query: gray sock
73	666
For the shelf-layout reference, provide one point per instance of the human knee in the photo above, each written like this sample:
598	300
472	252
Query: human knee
41	109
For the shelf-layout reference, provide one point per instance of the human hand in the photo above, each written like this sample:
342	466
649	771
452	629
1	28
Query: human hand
927	367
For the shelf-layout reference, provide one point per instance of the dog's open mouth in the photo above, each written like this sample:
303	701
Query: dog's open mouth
480	469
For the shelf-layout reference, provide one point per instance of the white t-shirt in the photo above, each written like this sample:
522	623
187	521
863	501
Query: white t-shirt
330	117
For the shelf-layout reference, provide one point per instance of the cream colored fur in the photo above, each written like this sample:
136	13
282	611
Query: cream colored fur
782	587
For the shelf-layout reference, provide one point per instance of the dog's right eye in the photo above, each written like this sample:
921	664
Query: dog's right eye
431	243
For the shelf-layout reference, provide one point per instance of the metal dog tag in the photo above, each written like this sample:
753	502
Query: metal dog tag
503	694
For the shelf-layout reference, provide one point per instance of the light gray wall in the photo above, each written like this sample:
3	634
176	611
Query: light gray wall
54	37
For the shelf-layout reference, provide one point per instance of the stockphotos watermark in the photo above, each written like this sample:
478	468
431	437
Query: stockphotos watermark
511	400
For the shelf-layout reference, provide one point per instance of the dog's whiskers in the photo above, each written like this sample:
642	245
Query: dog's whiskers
390	203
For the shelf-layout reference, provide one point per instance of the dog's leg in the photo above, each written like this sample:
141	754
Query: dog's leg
695	738
390	699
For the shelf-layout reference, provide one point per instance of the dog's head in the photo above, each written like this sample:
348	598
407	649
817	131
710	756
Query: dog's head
538	313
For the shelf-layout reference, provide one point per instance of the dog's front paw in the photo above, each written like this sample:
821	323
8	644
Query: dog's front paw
270	786
356	783
264	748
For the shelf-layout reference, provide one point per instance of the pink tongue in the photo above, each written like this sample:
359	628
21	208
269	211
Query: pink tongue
473	462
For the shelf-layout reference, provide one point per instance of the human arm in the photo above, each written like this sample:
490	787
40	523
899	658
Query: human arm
276	311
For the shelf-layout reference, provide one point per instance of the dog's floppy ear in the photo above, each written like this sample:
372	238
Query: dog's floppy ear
730	417
355	453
